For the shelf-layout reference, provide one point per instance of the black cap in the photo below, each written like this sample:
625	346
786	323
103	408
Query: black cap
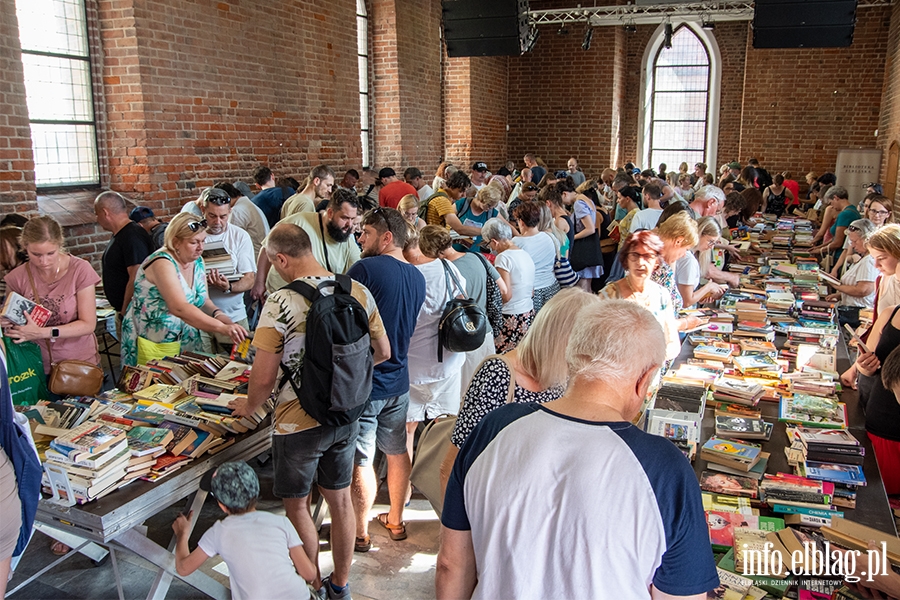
139	213
481	167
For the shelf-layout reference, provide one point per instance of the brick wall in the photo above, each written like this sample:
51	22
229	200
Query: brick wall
635	44
889	123
732	41
16	160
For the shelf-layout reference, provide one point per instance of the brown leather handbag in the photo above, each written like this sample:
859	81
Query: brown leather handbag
70	377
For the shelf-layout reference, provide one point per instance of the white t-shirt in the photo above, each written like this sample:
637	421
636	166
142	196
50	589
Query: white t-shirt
542	251
251	219
191	207
687	270
423	346
521	273
237	243
646	219
255	546
863	270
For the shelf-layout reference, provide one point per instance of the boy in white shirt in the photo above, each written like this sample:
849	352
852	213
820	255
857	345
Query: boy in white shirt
263	552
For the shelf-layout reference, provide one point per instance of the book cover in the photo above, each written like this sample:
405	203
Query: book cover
740	427
92	437
724	483
721	527
145	440
17	306
836	473
732	449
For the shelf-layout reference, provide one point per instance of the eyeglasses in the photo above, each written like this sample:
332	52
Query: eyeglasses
197	225
879	212
640	256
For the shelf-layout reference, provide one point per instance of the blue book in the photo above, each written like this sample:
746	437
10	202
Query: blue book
835	473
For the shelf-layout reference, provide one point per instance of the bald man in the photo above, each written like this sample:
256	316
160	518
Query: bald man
129	246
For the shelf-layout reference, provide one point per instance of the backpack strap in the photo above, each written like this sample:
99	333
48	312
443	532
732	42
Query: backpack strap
304	289
343	284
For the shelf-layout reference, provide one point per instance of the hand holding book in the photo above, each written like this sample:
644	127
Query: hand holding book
867	363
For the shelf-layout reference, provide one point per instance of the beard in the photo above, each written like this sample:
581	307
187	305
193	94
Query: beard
337	234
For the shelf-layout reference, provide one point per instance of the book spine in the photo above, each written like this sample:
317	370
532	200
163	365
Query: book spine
803	510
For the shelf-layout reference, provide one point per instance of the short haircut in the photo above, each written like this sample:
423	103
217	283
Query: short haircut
388	219
352	173
214	192
753	162
680	226
639	239
603	341
542	352
262	174
114	202
622	179
838	192
864	227
340	196
529	213
412	173
288	239
648	173
179	228
886	239
710	191
236	486
496	230
708	227
735	202
458	181
633	192
653	190
490	195
321	172
890	371
433	240
229	189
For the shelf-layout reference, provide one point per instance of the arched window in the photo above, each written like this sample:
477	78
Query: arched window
681	97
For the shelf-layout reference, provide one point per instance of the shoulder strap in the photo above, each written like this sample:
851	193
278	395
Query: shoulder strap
304	289
448	274
324	245
511	393
343	283
37	299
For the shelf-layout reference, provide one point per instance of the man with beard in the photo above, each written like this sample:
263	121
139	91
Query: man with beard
396	284
332	240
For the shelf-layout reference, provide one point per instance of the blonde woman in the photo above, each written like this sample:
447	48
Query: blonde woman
171	303
688	270
62	283
409	208
678	234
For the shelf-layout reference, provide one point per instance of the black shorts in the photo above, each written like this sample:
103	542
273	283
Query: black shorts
321	454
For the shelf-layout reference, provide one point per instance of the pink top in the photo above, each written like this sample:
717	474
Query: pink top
59	298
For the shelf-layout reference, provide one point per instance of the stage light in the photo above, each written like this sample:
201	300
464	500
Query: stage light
586	42
667	36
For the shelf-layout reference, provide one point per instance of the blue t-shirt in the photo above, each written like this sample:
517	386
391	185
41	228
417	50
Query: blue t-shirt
537	173
844	219
269	201
466	217
399	292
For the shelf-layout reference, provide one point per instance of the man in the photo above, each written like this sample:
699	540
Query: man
318	186
574	172
413	177
303	449
735	169
440	205
479	175
227	295
763	179
708	201
396	284
143	216
270	197
537	171
647	176
348	182
393	189
129	246
247	216
332	241
648	217
847	213
487	548
699	175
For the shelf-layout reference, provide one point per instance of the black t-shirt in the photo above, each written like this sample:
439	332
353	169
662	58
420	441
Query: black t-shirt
130	246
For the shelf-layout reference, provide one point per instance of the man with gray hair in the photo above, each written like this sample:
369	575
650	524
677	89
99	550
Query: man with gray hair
708	201
583	455
847	213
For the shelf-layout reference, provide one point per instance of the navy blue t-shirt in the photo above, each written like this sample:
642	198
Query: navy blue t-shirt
399	292
269	201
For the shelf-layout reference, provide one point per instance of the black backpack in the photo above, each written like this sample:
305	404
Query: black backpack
463	324
336	376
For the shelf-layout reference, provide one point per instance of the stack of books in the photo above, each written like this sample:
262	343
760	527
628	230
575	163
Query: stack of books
737	455
737	391
215	256
94	456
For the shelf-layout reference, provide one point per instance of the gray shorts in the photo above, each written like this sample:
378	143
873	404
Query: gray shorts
321	454
383	423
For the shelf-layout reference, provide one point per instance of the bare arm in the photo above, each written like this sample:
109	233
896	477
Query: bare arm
258	291
668	192
655	594
860	290
129	287
262	381
589	228
83	325
719	276
301	561
162	274
381	348
456	225
186	562
765	201
502	286
692	296
455	575
506	278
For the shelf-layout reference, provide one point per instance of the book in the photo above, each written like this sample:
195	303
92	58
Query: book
158	392
740	427
146	440
95	461
727	452
182	436
756	471
17	306
734	485
92	437
836	473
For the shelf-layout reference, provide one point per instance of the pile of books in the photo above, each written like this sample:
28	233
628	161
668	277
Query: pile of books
94	455
734	454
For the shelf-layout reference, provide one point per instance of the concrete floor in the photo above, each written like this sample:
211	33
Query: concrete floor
395	570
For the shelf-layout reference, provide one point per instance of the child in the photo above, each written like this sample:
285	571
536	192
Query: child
262	550
684	188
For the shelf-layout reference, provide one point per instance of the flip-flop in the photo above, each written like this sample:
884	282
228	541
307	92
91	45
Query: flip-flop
397	532
363	544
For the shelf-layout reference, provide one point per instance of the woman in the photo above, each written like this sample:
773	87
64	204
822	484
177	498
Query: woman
735	204
678	234
65	285
473	213
517	271
11	254
409	208
541	247
685	188
688	270
562	223
747	178
639	257
811	179
879	211
776	197
857	288
629	197
754	201
170	301
441	175
536	369
585	219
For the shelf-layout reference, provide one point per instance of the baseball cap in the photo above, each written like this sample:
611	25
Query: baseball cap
480	166
139	213
235	485
386	172
734	165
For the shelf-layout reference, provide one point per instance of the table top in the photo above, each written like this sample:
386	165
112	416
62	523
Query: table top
104	519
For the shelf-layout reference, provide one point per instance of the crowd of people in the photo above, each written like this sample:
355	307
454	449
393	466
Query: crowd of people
573	273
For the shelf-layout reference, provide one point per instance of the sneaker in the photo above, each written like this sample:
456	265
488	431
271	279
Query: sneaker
319	594
333	595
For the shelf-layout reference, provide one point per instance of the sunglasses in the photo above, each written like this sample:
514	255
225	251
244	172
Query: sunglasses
219	200
197	226
853	228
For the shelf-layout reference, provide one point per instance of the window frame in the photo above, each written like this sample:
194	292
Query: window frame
713	100
365	126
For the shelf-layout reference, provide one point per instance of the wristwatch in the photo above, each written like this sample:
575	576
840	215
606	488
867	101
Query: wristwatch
54	333
229	288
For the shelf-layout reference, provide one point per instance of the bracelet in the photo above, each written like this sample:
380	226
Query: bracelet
215	312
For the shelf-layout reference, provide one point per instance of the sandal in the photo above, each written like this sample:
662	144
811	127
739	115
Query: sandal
397	532
363	544
59	549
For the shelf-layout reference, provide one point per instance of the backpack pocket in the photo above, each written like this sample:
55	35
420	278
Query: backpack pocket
351	378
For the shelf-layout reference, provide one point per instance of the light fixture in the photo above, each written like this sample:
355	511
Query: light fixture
667	35
707	23
629	26
588	34
563	30
531	40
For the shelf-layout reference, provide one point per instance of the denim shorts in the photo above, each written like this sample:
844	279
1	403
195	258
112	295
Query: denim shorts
321	454
383	423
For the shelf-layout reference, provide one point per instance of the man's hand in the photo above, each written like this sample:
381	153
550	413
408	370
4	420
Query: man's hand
217	280
240	407
258	291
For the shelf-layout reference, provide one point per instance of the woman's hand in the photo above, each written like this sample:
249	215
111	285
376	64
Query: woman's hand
867	363
848	377
27	332
833	297
686	323
237	333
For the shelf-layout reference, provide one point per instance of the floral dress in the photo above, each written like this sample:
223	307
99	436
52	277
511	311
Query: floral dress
664	275
150	318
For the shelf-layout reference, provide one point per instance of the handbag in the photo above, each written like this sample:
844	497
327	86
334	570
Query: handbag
70	377
434	442
586	251
25	372
564	273
463	325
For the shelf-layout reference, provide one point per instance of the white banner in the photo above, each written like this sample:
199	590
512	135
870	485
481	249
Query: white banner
855	168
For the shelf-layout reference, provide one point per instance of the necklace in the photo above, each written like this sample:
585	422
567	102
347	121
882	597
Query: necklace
639	297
